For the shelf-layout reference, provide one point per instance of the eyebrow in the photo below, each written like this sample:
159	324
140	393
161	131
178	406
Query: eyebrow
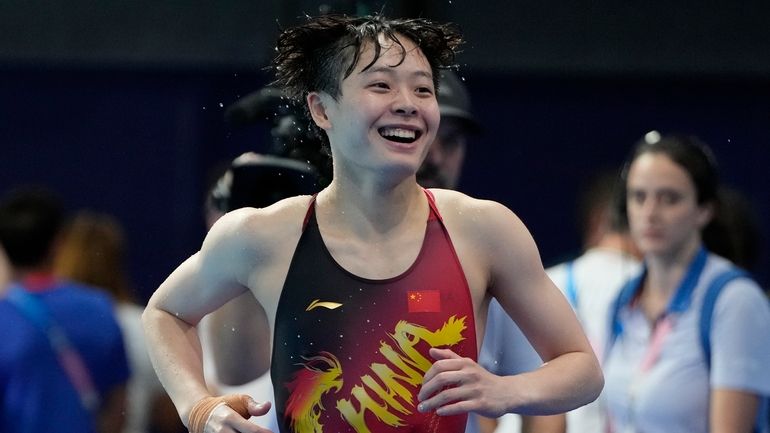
390	71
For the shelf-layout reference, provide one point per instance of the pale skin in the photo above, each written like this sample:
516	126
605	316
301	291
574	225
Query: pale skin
666	221
372	218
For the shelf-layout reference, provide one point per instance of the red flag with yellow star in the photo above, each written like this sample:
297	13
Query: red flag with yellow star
424	301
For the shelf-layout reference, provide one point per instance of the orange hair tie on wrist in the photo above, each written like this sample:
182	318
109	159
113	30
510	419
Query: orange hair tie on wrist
201	411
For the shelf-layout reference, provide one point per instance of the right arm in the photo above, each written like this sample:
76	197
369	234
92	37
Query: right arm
199	285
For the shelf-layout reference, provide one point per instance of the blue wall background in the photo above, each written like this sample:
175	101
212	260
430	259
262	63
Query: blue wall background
119	107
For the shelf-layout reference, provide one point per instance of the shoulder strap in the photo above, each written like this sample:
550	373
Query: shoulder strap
69	358
707	309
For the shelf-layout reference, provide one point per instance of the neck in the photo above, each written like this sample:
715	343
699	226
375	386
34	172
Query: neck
665	271
370	209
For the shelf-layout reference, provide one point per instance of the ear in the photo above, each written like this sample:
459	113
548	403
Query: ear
705	214
317	103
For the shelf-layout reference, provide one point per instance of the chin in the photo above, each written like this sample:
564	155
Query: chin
654	247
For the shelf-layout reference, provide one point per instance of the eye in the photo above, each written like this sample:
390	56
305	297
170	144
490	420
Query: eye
636	197
380	85
670	197
425	90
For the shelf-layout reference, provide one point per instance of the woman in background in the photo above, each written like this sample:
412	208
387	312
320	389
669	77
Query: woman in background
93	251
658	376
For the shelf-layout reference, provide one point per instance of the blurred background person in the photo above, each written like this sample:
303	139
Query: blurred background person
63	365
444	163
660	374
93	252
590	282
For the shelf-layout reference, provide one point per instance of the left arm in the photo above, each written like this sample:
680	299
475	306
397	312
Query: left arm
738	372
570	377
732	411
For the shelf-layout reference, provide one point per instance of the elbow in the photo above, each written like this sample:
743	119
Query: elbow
594	384
598	384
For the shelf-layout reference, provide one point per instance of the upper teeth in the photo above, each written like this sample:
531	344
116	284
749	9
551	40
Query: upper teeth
398	132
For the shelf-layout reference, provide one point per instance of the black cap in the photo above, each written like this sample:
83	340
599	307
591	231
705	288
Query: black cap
257	180
454	100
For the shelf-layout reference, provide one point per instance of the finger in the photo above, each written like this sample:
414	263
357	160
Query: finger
442	365
442	401
456	408
439	354
233	422
259	409
439	382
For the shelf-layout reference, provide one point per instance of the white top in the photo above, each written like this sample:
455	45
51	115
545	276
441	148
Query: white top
596	279
143	385
672	395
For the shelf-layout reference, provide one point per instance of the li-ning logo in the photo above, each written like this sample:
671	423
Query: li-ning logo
325	304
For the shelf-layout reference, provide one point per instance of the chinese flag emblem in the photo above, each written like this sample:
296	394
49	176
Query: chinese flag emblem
424	301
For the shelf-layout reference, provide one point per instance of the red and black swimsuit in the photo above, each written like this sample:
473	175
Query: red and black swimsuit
350	353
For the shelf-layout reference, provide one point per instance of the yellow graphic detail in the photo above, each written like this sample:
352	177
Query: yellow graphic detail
326	304
321	374
390	389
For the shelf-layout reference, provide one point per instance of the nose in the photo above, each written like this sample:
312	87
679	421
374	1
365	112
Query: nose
404	103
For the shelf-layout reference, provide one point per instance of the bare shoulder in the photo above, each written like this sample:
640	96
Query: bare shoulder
479	218
253	234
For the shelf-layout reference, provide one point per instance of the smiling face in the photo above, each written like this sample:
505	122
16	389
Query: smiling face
664	216
386	115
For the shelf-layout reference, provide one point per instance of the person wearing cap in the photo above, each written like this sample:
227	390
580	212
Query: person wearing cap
444	163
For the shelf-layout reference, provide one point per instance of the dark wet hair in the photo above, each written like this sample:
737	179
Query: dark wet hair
690	153
319	54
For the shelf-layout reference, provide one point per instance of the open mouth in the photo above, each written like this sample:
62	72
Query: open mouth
400	135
